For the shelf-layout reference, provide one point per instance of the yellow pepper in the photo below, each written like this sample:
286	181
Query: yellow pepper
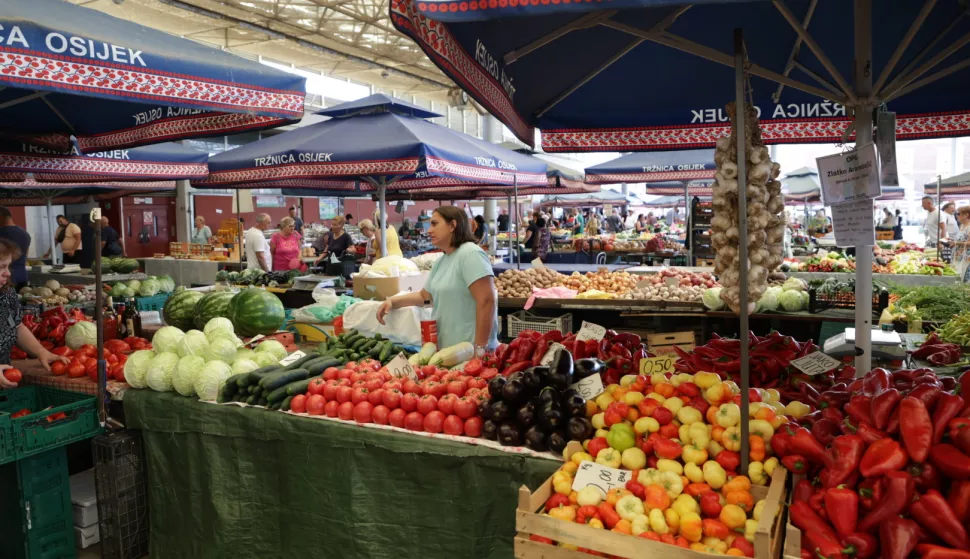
778	422
563	512
714	474
754	408
693	472
657	396
731	439
685	504
706	380
673	520
772	395
797	409
700	434
562	482
713	448
683	433
609	457
717	393
601	433
778	407
728	415
646	425
640	525
599	421
658	523
759	507
732	516
694	454
691	527
732	386
718	545
770	465
648	477
570	468
761	428
677	380
673	404
756	471
604	400
629	506
750	528
579	457
672	483
589	495
627	380
665	465
688	415
657	378
633	398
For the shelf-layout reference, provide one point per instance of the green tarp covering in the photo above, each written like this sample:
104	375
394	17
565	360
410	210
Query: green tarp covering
226	481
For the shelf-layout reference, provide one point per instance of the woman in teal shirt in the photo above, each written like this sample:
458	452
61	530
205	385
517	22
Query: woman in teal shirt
461	287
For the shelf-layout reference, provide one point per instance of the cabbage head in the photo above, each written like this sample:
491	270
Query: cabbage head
266	359
793	301
243	366
160	370
193	343
137	367
272	346
218	326
769	300
167	339
149	288
712	298
794	284
166	284
210	380
183	380
221	349
134	285
82	333
245	353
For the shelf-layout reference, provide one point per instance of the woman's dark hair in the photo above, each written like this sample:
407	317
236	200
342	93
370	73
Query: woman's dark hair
540	223
898	212
480	220
463	230
9	249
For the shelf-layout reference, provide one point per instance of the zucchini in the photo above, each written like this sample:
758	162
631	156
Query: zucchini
290	389
318	367
285	406
386	352
427	350
282	378
299	362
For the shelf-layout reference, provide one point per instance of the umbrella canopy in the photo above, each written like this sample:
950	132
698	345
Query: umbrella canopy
378	143
655	167
801	186
168	161
892	193
559	176
954	188
69	71
673	188
29	192
585	199
588	74
666	202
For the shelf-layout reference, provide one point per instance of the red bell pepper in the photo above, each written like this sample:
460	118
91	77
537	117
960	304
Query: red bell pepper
802	516
803	443
608	515
870	492
539	352
950	461
959	499
916	428
947	408
525	350
882	407
825	431
780	443
898	537
898	489
729	460
885	455
843	457
858	408
556	500
586	513
843	508
926	475
928	394
933	513
860	545
822	547
803	490
795	463
516	367
930	551
876	381
501	354
867	432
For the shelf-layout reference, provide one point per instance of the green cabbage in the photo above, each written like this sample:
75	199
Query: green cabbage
221	349
167	339
218	326
272	346
712	298
166	284
210	380
794	284
245	353
134	285
793	301
137	366
243	366
80	334
769	299
149	288
266	359
160	370
183	380
194	343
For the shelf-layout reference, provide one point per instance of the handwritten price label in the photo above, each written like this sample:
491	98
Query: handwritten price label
815	363
547	358
538	264
654	365
399	367
292	358
590	387
601	477
590	331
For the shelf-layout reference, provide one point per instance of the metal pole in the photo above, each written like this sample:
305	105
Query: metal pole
740	117
381	190
863	131
515	185
939	213
688	226
511	226
99	320
240	235
50	230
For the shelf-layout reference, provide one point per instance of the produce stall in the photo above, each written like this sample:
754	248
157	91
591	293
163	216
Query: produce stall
185	272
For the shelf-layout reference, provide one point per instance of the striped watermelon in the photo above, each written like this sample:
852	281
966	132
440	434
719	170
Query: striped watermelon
213	304
256	311
179	310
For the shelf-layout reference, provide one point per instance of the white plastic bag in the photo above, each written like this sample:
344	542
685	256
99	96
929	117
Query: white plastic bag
402	326
324	295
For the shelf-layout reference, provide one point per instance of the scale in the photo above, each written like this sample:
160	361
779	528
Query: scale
312	281
66	269
886	346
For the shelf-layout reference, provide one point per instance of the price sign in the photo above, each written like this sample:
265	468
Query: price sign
399	367
334	259
601	477
292	358
662	364
590	387
255	339
590	331
150	317
672	282
815	363
538	264
547	358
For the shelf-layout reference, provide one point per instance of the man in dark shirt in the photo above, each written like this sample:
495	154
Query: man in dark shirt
110	240
298	225
503	221
18	268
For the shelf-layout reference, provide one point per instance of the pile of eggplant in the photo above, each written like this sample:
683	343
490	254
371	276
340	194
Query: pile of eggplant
537	408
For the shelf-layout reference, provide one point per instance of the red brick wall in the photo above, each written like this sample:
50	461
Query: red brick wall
208	205
19	215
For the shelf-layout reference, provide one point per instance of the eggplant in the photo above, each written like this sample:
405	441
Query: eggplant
527	416
574	406
495	387
531	381
485	409
561	370
579	429
535	439
556	441
586	368
543	374
509	434
551	419
547	395
500	411
490	430
514	392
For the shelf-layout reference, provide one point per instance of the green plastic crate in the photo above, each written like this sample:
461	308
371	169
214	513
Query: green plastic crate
40	431
35	508
153	303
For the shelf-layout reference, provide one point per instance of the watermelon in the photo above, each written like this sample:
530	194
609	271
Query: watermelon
212	305
222	275
256	311
234	276
179	310
124	265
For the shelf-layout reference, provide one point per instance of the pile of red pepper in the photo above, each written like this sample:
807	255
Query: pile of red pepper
937	352
52	325
886	462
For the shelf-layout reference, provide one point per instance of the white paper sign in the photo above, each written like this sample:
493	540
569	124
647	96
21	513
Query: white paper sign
399	367
590	331
538	264
255	339
815	363
602	477
150	317
292	358
849	176
886	144
852	223
547	358
590	387
334	259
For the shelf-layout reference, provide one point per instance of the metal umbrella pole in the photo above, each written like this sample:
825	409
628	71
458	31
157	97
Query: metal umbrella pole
740	117
688	234
50	231
939	214
381	191
511	226
515	186
863	131
99	320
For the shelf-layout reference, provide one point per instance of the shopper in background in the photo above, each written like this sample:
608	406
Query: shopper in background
613	223
461	279
68	235
480	231
503	221
933	227
201	234
393	244
898	228
297	222
961	246
11	330
349	219
335	242
258	256
531	234
8	230
110	239
592	225
368	230
285	245
544	242
888	221
952	228
405	230
423	217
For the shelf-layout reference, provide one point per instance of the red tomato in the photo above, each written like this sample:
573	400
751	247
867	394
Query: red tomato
488	374
363	411
345	373
465	408
477	383
359	395
473	427
356	378
447	403
75	369
344	394
385	375
20	413
330	390
376	396
380	414
13	375
434	378
91	369
63	351
396	417
414	421
457	387
393	385
122	359
453	425
436	389
87	351
373	384
409	402
427	404
429	370
345	411
331	408
473	368
86	347
314	404
352	365
111	359
411	387
59	367
331	373
298	403
131	340
434	422
391	398
316	387
139	345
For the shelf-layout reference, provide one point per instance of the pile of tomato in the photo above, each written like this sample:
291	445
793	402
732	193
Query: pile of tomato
84	360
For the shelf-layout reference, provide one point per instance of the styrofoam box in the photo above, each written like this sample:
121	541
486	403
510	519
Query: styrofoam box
84	497
86	537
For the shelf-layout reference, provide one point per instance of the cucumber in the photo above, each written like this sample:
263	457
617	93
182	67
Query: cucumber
386	352
375	351
289	389
318	367
228	390
299	362
273	405
276	380
378	337
285	406
252	377
251	400
323	348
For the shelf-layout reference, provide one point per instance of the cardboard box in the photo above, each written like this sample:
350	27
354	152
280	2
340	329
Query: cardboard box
378	289
86	537
661	344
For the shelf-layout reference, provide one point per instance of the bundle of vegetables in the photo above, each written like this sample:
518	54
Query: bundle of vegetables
353	346
765	204
934	303
937	352
52	325
685	488
54	293
892	464
956	330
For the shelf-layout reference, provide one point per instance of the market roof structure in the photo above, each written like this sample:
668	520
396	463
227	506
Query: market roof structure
954	188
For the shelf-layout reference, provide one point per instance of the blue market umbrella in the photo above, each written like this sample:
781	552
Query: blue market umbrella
69	71
649	167
953	188
29	192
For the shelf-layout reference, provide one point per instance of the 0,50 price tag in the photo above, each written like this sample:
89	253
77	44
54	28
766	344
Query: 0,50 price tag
399	367
292	358
662	364
590	331
602	477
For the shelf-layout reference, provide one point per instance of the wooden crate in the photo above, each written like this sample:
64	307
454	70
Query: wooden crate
703	262
767	541
660	344
884	235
